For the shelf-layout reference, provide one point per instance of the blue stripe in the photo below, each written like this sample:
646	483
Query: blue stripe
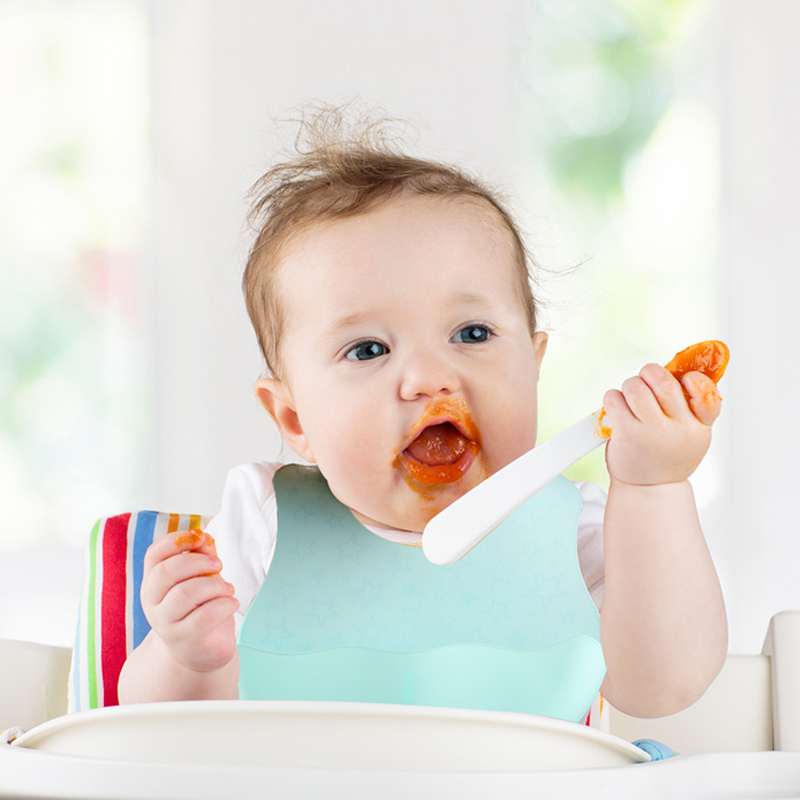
143	538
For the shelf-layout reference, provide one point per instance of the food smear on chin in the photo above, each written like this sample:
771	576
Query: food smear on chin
443	451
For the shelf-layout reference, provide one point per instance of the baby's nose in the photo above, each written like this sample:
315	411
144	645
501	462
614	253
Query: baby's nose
428	374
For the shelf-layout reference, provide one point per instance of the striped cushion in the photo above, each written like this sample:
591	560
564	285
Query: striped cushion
111	622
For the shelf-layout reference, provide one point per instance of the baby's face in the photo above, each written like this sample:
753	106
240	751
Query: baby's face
410	371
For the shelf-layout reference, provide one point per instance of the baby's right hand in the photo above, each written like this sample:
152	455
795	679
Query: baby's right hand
186	601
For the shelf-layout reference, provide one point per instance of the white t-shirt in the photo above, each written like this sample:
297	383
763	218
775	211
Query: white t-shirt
246	529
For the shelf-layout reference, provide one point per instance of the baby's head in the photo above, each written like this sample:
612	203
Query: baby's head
392	303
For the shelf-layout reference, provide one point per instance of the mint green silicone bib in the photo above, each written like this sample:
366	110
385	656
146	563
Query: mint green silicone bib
346	615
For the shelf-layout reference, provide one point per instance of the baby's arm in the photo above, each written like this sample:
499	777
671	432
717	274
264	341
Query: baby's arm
190	653
663	622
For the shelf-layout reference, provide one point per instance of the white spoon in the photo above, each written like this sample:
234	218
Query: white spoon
453	532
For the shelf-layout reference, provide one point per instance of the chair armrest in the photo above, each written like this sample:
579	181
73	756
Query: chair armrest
782	644
33	682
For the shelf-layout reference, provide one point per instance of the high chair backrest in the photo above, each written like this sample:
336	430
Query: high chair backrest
111	622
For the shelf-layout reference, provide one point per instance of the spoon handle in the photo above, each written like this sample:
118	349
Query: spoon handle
454	531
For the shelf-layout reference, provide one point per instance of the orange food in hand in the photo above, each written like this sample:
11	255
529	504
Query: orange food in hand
710	358
191	538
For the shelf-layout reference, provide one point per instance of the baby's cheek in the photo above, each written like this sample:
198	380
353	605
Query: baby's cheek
508	437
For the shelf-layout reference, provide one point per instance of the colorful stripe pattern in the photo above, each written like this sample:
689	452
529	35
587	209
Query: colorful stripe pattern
111	622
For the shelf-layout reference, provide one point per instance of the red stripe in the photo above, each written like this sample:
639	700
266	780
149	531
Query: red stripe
113	643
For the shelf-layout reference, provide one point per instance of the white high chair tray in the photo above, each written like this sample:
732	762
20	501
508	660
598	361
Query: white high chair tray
344	750
328	735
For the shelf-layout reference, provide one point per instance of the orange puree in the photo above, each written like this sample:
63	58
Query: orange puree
445	445
710	358
438	444
603	431
191	539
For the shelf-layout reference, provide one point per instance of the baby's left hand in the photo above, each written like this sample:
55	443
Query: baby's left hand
657	435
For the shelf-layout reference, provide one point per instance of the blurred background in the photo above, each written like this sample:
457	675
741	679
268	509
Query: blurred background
647	147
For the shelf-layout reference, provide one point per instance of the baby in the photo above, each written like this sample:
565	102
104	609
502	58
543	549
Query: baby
392	302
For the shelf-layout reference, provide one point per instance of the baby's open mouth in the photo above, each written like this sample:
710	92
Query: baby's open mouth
441	453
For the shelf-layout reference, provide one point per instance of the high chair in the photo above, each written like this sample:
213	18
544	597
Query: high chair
741	739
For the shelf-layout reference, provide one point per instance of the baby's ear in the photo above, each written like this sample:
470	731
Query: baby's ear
539	346
275	396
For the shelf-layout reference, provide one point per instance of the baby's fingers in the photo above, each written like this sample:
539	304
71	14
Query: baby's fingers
173	544
704	397
202	620
175	558
186	597
162	577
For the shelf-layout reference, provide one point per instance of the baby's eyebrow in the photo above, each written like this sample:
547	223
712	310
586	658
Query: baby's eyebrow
341	325
468	299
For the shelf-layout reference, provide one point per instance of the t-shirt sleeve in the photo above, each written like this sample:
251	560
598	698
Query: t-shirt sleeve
590	539
245	530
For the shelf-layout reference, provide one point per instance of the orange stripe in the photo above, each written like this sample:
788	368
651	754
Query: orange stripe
174	522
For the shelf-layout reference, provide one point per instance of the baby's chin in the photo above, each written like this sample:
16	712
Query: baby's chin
416	505
413	523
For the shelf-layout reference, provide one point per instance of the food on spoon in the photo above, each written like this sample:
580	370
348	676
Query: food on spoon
710	358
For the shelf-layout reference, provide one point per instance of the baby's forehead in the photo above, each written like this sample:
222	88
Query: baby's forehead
421	246
474	216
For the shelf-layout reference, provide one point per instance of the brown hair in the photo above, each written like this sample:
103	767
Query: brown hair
335	176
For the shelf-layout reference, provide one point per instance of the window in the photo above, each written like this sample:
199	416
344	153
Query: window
625	155
74	171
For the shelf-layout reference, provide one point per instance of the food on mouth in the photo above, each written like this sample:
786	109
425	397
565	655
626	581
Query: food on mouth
445	446
710	358
438	444
440	454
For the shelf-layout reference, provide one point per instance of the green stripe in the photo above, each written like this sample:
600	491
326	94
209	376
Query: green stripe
91	655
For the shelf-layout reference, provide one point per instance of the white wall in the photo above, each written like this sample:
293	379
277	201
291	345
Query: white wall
760	74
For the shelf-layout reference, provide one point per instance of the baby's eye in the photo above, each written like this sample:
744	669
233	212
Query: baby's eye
364	351
472	334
